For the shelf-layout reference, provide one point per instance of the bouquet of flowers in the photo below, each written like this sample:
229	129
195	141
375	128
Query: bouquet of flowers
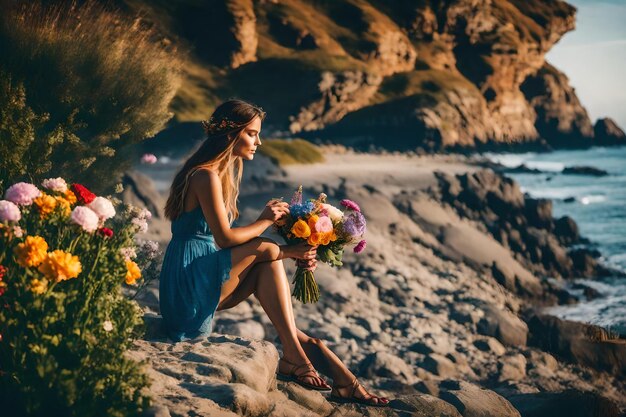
320	224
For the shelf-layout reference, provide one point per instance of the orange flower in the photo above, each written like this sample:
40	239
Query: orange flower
312	220
301	229
46	204
65	205
38	286
60	266
32	251
133	273
70	196
326	238
315	239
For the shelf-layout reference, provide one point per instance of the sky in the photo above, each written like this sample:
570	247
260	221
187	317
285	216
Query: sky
593	57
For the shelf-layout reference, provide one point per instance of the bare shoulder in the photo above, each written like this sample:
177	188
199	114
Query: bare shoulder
203	178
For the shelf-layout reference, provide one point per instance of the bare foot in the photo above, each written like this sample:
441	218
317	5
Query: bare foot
303	372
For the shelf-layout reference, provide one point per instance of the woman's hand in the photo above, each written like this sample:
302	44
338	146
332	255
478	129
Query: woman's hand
301	250
274	210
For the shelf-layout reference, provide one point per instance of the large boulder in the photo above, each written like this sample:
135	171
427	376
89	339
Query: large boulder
503	325
607	132
581	343
473	401
570	403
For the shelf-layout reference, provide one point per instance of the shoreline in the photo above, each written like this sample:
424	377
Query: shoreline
434	290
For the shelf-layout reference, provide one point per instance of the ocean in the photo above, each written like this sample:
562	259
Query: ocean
598	205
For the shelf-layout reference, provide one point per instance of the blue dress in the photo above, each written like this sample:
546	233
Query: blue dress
193	272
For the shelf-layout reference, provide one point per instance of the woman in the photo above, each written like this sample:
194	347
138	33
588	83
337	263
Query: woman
197	278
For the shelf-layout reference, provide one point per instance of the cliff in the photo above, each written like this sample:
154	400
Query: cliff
429	74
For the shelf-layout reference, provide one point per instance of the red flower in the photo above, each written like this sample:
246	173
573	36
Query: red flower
105	231
3	271
3	286
83	194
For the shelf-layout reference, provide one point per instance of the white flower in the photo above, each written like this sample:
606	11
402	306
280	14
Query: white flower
107	325
142	224
55	184
9	211
145	214
85	218
333	212
128	253
102	207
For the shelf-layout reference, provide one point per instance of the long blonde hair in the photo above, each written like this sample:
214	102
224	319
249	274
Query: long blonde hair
223	131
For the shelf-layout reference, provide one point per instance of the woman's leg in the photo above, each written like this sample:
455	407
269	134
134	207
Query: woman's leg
268	282
329	364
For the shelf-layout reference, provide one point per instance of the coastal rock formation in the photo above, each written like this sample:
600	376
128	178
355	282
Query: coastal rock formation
401	76
433	314
607	132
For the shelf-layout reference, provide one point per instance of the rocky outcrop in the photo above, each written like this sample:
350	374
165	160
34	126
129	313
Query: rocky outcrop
139	191
607	132
524	225
581	343
431	75
561	119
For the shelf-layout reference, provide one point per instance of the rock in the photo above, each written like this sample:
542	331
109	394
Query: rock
386	365
439	365
536	358
607	132
307	398
570	403
567	230
424	406
584	170
139	191
581	343
250	329
512	367
504	326
156	411
489	344
539	212
473	401
583	262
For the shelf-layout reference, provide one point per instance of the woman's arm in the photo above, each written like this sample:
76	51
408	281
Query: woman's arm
207	187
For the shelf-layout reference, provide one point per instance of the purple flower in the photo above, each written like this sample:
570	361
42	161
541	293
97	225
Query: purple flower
354	224
360	246
297	197
9	211
350	205
22	193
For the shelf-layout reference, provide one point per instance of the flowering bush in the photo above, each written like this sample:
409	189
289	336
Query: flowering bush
64	322
320	224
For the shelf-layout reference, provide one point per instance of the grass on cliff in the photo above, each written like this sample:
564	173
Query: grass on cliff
291	152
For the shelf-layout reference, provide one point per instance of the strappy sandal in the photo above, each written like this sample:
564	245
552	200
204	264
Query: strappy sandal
367	399
298	378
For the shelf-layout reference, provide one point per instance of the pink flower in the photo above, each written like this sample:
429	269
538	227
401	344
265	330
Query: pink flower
18	231
9	211
324	225
102	207
148	159
350	205
22	193
85	218
55	184
360	246
145	214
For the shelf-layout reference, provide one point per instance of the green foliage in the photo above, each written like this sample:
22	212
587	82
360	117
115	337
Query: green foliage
62	348
82	83
290	152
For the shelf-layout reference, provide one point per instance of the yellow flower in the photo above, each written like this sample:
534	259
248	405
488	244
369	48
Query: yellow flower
133	273
315	239
32	251
46	204
38	286
60	266
65	204
301	229
326	238
312	220
70	196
